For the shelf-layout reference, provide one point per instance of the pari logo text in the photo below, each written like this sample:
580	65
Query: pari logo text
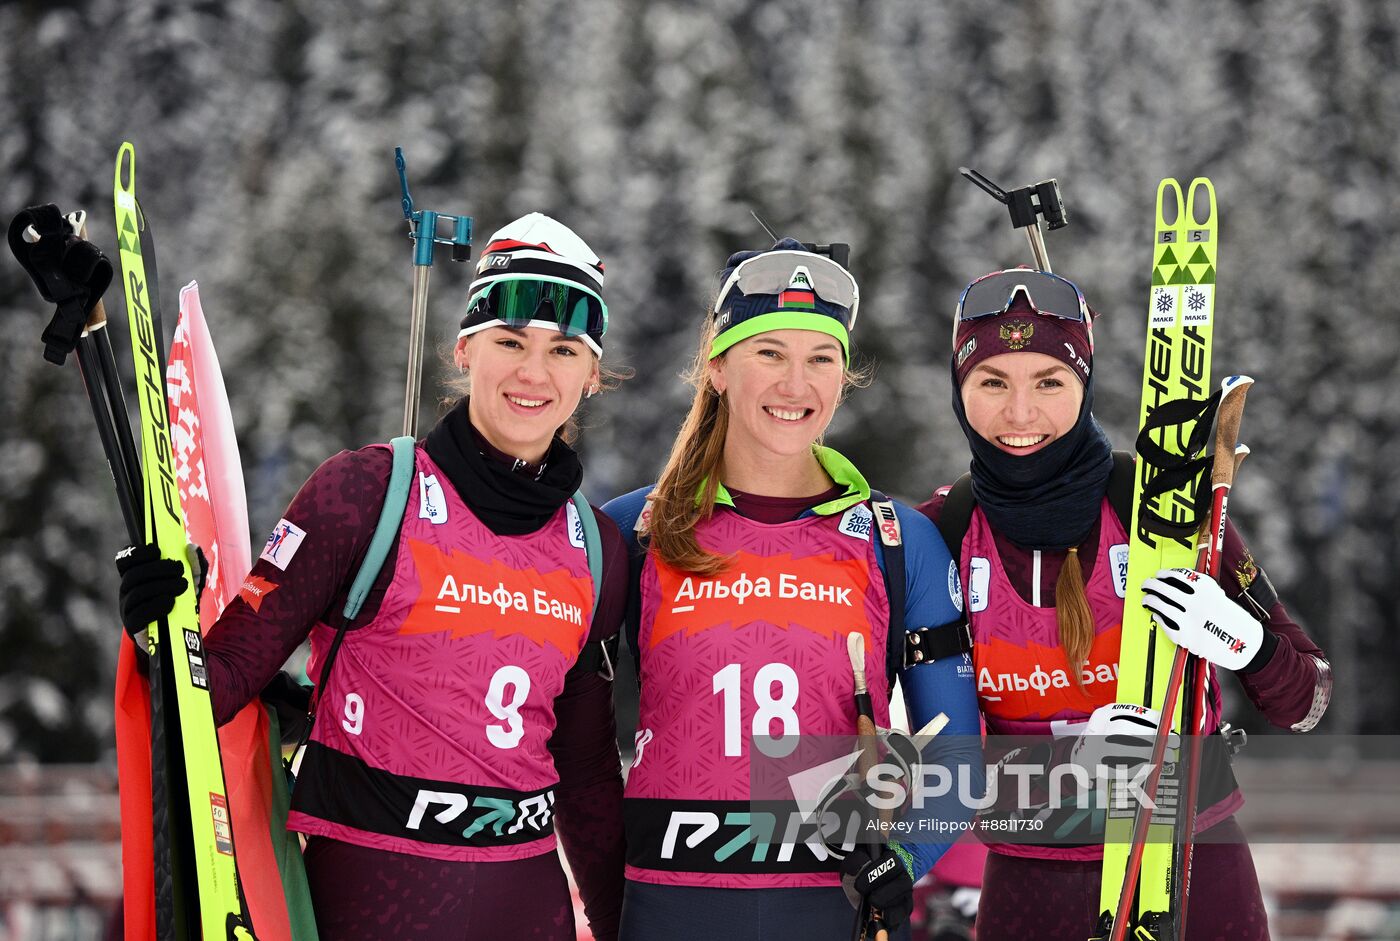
503	816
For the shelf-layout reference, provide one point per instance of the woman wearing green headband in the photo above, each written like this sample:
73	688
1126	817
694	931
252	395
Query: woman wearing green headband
757	558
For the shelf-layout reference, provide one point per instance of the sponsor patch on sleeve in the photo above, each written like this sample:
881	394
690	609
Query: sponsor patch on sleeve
955	585
256	589
283	544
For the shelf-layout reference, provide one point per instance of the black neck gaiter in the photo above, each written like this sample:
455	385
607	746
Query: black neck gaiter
1049	499
510	504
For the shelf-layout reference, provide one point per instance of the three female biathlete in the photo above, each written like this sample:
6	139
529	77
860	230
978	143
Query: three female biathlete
1045	596
467	716
755	555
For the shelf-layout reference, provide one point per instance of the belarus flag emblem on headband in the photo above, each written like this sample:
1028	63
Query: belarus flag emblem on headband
798	294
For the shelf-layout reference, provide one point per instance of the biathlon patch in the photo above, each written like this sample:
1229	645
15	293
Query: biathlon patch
955	585
282	544
857	521
978	582
432	505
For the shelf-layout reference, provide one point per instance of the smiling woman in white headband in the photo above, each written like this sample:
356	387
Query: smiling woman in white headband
467	718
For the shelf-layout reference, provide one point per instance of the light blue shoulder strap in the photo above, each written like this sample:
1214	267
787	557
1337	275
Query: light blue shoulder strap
592	543
390	518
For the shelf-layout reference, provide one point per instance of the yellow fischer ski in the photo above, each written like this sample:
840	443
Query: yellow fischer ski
221	910
1176	368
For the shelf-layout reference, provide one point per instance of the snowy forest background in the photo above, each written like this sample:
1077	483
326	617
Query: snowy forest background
265	135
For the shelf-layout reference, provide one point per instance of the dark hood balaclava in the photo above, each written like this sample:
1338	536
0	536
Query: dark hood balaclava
1049	499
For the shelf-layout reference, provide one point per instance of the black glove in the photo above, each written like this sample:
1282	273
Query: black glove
885	883
69	271
149	586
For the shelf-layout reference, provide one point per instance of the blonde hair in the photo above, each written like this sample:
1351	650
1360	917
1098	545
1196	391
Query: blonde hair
696	459
1072	613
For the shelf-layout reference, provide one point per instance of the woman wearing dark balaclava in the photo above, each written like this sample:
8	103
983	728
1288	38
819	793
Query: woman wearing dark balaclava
1040	553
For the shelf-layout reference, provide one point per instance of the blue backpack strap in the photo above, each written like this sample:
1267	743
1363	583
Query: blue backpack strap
887	525
390	518
592	542
600	656
385	532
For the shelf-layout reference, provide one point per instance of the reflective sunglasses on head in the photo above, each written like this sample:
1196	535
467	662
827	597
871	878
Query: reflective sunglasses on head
790	275
1049	294
538	301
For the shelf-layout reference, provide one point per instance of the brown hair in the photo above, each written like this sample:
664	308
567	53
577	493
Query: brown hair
1072	614
458	385
696	458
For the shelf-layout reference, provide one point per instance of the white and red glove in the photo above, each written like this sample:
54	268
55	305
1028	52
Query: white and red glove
1196	614
1119	737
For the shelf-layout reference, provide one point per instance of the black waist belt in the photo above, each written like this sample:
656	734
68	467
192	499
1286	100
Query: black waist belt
342	789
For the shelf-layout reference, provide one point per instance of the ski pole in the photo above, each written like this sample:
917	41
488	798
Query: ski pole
107	364
427	229
102	411
866	917
1209	561
1233	391
105	397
